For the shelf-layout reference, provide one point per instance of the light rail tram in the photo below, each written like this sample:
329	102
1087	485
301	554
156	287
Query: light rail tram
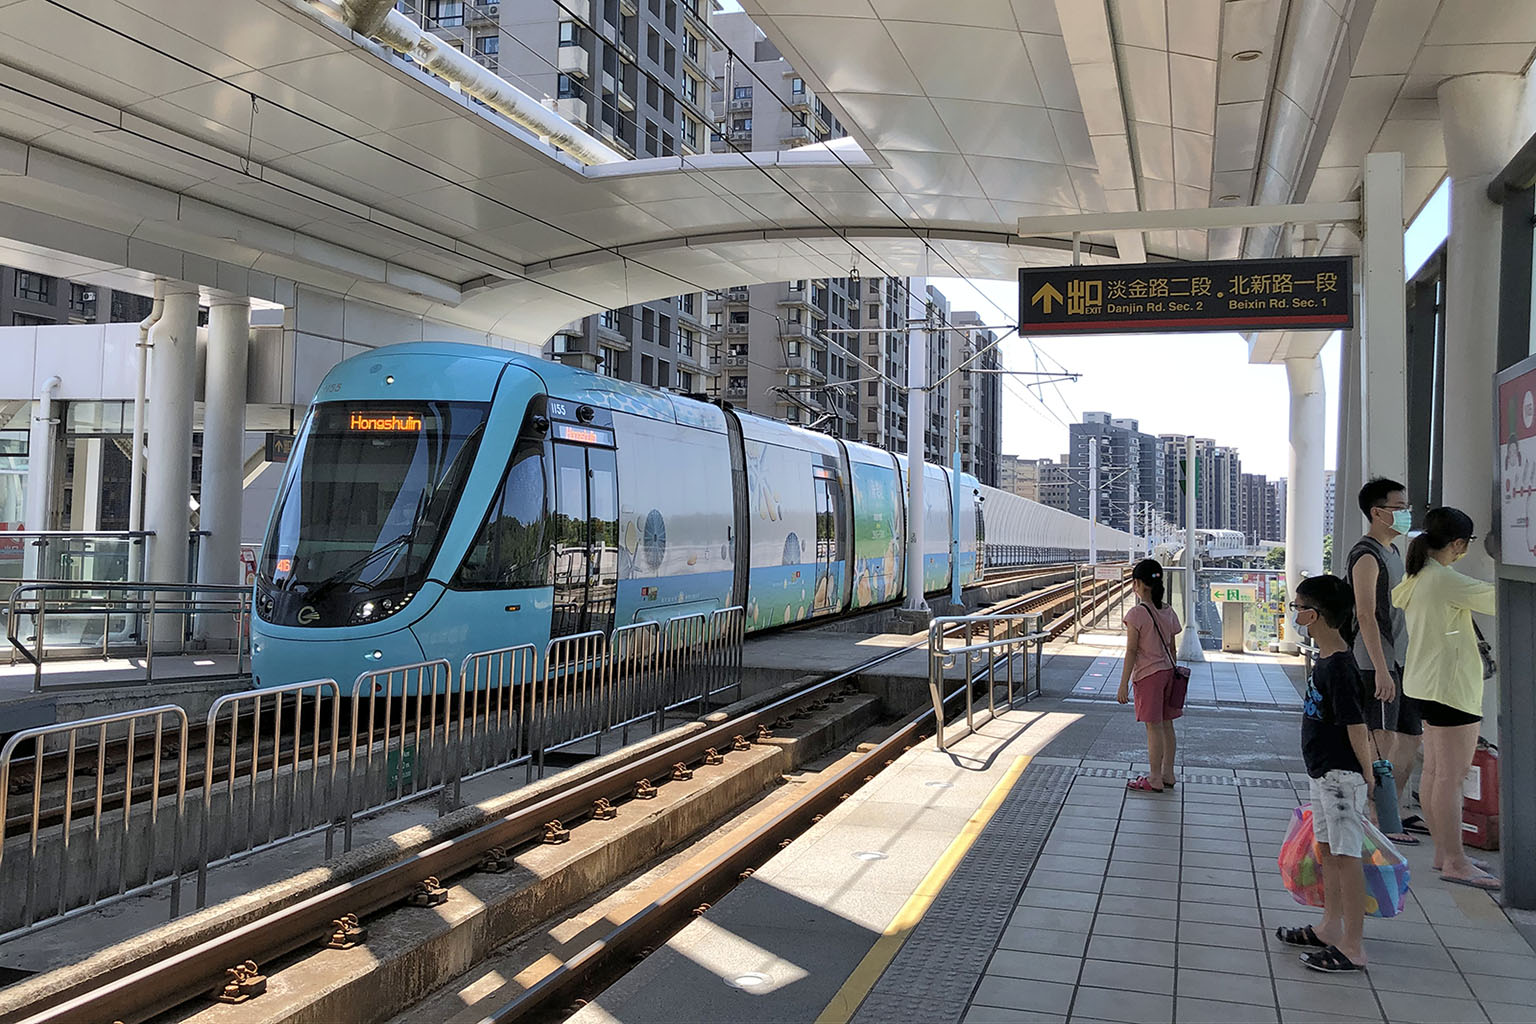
444	499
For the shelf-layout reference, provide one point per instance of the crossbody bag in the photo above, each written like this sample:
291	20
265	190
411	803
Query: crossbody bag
1180	688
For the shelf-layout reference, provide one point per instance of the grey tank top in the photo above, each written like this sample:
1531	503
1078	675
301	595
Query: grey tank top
1394	640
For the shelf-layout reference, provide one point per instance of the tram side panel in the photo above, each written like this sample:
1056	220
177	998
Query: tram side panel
879	526
676	515
794	523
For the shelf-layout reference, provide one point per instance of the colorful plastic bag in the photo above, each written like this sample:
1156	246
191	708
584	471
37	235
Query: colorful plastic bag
1386	870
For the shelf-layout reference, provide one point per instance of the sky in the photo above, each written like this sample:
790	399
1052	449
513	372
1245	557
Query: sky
1199	384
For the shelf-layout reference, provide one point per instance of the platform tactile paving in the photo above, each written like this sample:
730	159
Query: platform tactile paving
931	979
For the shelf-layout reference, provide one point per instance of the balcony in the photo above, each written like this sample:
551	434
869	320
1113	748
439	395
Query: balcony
580	10
797	135
573	60
626	102
805	362
800	298
741	136
789	329
629	7
573	110
737	295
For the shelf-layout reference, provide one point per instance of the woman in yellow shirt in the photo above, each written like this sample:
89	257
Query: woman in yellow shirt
1444	674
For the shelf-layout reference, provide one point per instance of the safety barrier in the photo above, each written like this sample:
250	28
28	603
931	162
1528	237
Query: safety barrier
404	770
984	651
129	617
113	834
276	765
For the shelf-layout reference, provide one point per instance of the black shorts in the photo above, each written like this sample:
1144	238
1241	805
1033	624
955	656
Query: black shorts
1443	716
1400	714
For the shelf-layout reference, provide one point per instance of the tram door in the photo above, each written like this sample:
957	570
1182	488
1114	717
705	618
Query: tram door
586	539
828	529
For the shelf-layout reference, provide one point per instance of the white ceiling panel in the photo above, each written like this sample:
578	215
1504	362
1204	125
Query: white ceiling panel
938	173
1141	22
967	63
1053	71
848	56
1392	41
1154	151
1192	81
1001	129
1465	60
1194	27
1072	137
1191	158
1036	16
1421	142
1024	180
977	13
1480	21
1145	74
898	122
1237	136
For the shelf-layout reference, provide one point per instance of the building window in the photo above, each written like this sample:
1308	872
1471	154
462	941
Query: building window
653	45
691	89
669	62
797	286
671	16
570	33
651	140
738	383
792	348
82	301
741	92
34	287
668	145
795	315
664	330
28	320
692	45
652	92
447	13
797	86
693	132
686	339
566	87
488	45
741	124
685	382
608	319
647	325
663	373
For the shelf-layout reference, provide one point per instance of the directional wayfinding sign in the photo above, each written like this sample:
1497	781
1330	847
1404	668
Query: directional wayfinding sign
1244	592
1232	295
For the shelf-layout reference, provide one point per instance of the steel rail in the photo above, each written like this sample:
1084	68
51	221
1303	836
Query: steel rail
158	981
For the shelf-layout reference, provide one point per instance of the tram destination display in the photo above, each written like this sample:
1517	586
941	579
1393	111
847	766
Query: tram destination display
1230	295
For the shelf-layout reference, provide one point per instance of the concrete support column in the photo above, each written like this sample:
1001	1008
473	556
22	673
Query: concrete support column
1304	498
1348	461
41	462
1384	341
172	390
1476	114
229	334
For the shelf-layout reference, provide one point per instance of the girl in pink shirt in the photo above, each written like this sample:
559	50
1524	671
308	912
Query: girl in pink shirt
1149	663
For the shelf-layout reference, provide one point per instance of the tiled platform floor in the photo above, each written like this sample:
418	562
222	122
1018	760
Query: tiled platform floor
1162	907
1222	679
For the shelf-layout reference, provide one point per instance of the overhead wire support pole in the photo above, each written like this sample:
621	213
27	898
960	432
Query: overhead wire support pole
954	517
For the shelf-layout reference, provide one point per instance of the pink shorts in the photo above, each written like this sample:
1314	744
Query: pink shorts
1153	696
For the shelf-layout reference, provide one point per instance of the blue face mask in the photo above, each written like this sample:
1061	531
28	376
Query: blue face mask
1402	520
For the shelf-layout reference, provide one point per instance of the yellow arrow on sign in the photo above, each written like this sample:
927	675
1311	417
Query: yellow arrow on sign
1046	296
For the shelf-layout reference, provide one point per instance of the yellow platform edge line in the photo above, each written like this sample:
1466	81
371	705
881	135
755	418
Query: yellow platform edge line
880	955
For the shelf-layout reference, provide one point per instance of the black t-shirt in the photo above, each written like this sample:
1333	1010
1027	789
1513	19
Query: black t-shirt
1335	700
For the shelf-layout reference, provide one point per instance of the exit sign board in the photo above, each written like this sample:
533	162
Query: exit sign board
1229	295
1247	593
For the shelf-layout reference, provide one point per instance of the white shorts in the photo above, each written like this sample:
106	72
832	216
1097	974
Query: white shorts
1338	812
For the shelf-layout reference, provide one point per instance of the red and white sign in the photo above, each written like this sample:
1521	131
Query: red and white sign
1517	465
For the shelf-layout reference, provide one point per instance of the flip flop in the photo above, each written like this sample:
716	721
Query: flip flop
1304	936
1487	883
1415	824
1142	785
1402	839
1330	961
1481	865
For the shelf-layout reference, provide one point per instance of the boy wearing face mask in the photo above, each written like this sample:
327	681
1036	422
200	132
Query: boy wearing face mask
1373	568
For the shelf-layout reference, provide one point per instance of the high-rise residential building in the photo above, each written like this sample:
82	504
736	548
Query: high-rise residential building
976	395
637	74
29	299
1131	469
1055	484
1256	504
1226	489
1275	510
471	28
1020	476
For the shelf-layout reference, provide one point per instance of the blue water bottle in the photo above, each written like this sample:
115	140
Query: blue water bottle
1387	815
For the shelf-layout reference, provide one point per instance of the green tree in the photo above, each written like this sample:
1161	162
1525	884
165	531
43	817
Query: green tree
1275	558
1328	553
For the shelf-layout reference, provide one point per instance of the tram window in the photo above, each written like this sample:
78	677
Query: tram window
509	549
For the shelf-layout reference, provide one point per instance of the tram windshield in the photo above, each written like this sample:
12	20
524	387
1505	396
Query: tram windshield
373	492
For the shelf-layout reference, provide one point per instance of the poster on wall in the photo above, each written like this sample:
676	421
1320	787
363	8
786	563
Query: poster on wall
1517	463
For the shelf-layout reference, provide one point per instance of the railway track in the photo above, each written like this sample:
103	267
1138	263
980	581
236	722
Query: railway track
50	809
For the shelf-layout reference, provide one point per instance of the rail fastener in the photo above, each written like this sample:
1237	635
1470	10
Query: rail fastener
681	772
242	983
645	790
603	809
764	734
495	861
429	892
713	756
740	742
346	933
555	832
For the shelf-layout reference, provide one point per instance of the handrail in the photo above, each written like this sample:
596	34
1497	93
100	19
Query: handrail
80	534
137	599
942	656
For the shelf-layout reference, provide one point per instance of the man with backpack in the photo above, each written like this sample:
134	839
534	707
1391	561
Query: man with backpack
1373	568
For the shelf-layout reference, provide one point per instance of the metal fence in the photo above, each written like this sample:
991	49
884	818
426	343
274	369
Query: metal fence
291	760
65	620
271	791
990	646
106	840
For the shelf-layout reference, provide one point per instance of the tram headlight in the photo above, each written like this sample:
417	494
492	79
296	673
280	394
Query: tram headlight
376	608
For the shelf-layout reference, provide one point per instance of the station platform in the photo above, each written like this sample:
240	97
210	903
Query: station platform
1014	879
82	688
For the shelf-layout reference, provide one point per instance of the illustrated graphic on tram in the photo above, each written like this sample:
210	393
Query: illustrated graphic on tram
447	499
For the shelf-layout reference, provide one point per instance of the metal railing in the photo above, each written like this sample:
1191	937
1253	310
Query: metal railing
990	645
117	852
274	766
277	765
129	618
